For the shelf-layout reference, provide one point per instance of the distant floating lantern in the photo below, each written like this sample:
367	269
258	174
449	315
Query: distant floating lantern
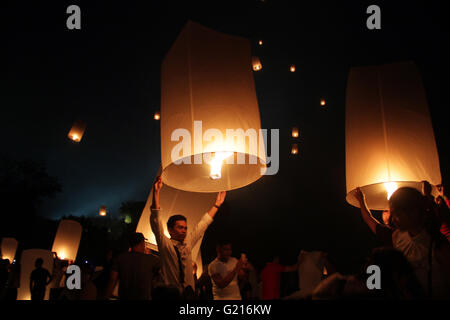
102	211
9	247
27	265
77	131
214	111
260	42
292	68
67	240
256	63
157	116
294	149
390	141
294	132
323	102
192	205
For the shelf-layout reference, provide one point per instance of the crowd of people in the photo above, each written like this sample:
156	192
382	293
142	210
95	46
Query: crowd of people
413	256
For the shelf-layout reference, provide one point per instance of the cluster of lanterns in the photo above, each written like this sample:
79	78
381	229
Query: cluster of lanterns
295	135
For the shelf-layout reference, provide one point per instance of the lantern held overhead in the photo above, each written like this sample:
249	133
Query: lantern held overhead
193	205
77	131
9	247
67	240
389	136
211	115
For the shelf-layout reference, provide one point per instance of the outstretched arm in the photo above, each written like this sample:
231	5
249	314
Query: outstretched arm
219	200
155	220
365	212
199	230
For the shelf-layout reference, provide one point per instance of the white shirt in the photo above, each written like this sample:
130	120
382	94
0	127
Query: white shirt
416	250
169	260
231	291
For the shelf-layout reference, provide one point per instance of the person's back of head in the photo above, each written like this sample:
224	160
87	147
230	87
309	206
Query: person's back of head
38	262
408	209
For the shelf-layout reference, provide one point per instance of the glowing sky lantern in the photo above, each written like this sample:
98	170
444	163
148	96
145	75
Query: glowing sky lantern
292	68
389	135
67	240
208	93
9	247
256	64
295	132
77	131
323	102
260	42
294	149
103	211
27	261
193	205
157	115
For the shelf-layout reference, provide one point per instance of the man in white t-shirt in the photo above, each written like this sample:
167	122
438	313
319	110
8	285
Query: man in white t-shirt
224	273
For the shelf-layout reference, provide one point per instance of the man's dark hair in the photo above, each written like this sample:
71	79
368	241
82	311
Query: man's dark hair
222	243
173	219
38	262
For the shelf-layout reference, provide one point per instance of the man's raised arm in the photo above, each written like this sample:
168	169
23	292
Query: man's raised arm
365	212
207	219
155	220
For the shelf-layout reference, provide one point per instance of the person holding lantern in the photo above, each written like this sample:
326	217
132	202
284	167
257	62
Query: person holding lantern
175	253
417	235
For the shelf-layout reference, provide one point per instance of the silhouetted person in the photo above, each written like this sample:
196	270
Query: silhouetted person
39	279
136	271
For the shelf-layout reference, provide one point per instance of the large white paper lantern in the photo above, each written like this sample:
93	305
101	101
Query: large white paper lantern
389	135
9	247
206	76
192	205
27	260
67	240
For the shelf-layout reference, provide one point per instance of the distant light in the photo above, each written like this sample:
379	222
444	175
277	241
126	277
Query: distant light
256	64
157	116
86	261
294	149
294	132
323	102
102	211
260	42
292	68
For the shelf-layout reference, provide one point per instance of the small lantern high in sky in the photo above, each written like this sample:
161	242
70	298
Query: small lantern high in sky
208	90
157	116
67	240
256	63
102	212
294	132
9	247
294	149
77	131
323	102
292	68
260	42
389	135
192	205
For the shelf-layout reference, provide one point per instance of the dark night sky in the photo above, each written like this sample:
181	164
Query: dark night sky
108	74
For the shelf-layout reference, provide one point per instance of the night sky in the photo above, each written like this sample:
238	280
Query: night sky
108	75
